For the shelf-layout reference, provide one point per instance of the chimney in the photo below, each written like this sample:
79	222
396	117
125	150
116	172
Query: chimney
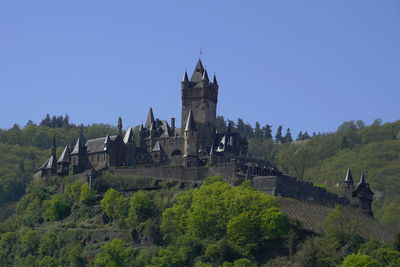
173	126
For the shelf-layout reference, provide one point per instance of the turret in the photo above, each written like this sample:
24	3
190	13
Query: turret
185	81
365	196
150	119
78	157
53	147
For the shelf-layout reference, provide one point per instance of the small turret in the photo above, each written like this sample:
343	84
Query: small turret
365	196
120	126
185	80
190	123
214	81
190	141
349	178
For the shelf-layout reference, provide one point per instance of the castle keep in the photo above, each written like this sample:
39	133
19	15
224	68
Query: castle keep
160	150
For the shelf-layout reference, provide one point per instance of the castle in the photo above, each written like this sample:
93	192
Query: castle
160	150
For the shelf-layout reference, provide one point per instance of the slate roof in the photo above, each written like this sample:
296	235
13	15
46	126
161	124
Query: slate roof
99	144
49	164
65	156
78	147
150	118
349	177
190	123
129	136
198	72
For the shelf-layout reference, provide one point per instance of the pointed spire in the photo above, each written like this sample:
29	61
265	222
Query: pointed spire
78	147
53	146
205	76
185	78
65	156
214	81
190	123
362	179
107	140
150	118
198	72
349	177
129	136
141	127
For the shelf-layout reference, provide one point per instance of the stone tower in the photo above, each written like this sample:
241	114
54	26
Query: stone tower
201	96
190	149
349	185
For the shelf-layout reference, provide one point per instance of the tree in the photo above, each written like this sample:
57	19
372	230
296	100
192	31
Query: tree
114	204
267	131
258	133
278	135
58	208
141	206
359	260
296	159
114	254
288	137
87	195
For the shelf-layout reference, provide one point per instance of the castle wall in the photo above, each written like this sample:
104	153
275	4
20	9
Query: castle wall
290	187
180	173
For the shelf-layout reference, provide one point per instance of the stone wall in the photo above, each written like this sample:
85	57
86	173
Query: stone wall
290	187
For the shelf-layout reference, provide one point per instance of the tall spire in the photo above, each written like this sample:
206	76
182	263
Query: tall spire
150	118
198	72
78	149
349	177
190	123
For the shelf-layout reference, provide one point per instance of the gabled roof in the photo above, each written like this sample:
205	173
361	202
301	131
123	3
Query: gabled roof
78	147
150	118
198	72
99	144
157	147
190	123
129	136
65	156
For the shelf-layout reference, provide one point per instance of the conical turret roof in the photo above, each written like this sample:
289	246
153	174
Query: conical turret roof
205	76
214	81
150	118
349	177
185	78
190	123
65	156
78	147
129	136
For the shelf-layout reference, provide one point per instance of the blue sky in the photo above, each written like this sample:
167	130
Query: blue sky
308	65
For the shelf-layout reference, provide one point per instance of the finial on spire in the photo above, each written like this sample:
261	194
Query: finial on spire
201	52
120	126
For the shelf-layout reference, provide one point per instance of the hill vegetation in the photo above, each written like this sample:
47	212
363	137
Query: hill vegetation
213	225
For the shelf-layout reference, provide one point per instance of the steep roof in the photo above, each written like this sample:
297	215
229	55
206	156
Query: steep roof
150	118
65	156
99	144
78	147
51	163
129	136
349	176
198	72
190	123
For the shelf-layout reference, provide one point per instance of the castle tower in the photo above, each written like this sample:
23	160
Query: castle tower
365	196
349	186
201	96
190	141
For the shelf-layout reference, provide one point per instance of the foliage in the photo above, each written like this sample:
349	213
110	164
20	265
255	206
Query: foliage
57	209
114	204
87	195
141	206
359	260
114	254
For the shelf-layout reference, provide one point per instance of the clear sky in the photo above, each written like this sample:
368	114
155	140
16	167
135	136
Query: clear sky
308	65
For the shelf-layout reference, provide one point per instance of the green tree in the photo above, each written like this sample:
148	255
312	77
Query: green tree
87	195
114	204
57	209
359	260
141	206
114	254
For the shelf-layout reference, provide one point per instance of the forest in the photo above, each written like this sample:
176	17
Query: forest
213	225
